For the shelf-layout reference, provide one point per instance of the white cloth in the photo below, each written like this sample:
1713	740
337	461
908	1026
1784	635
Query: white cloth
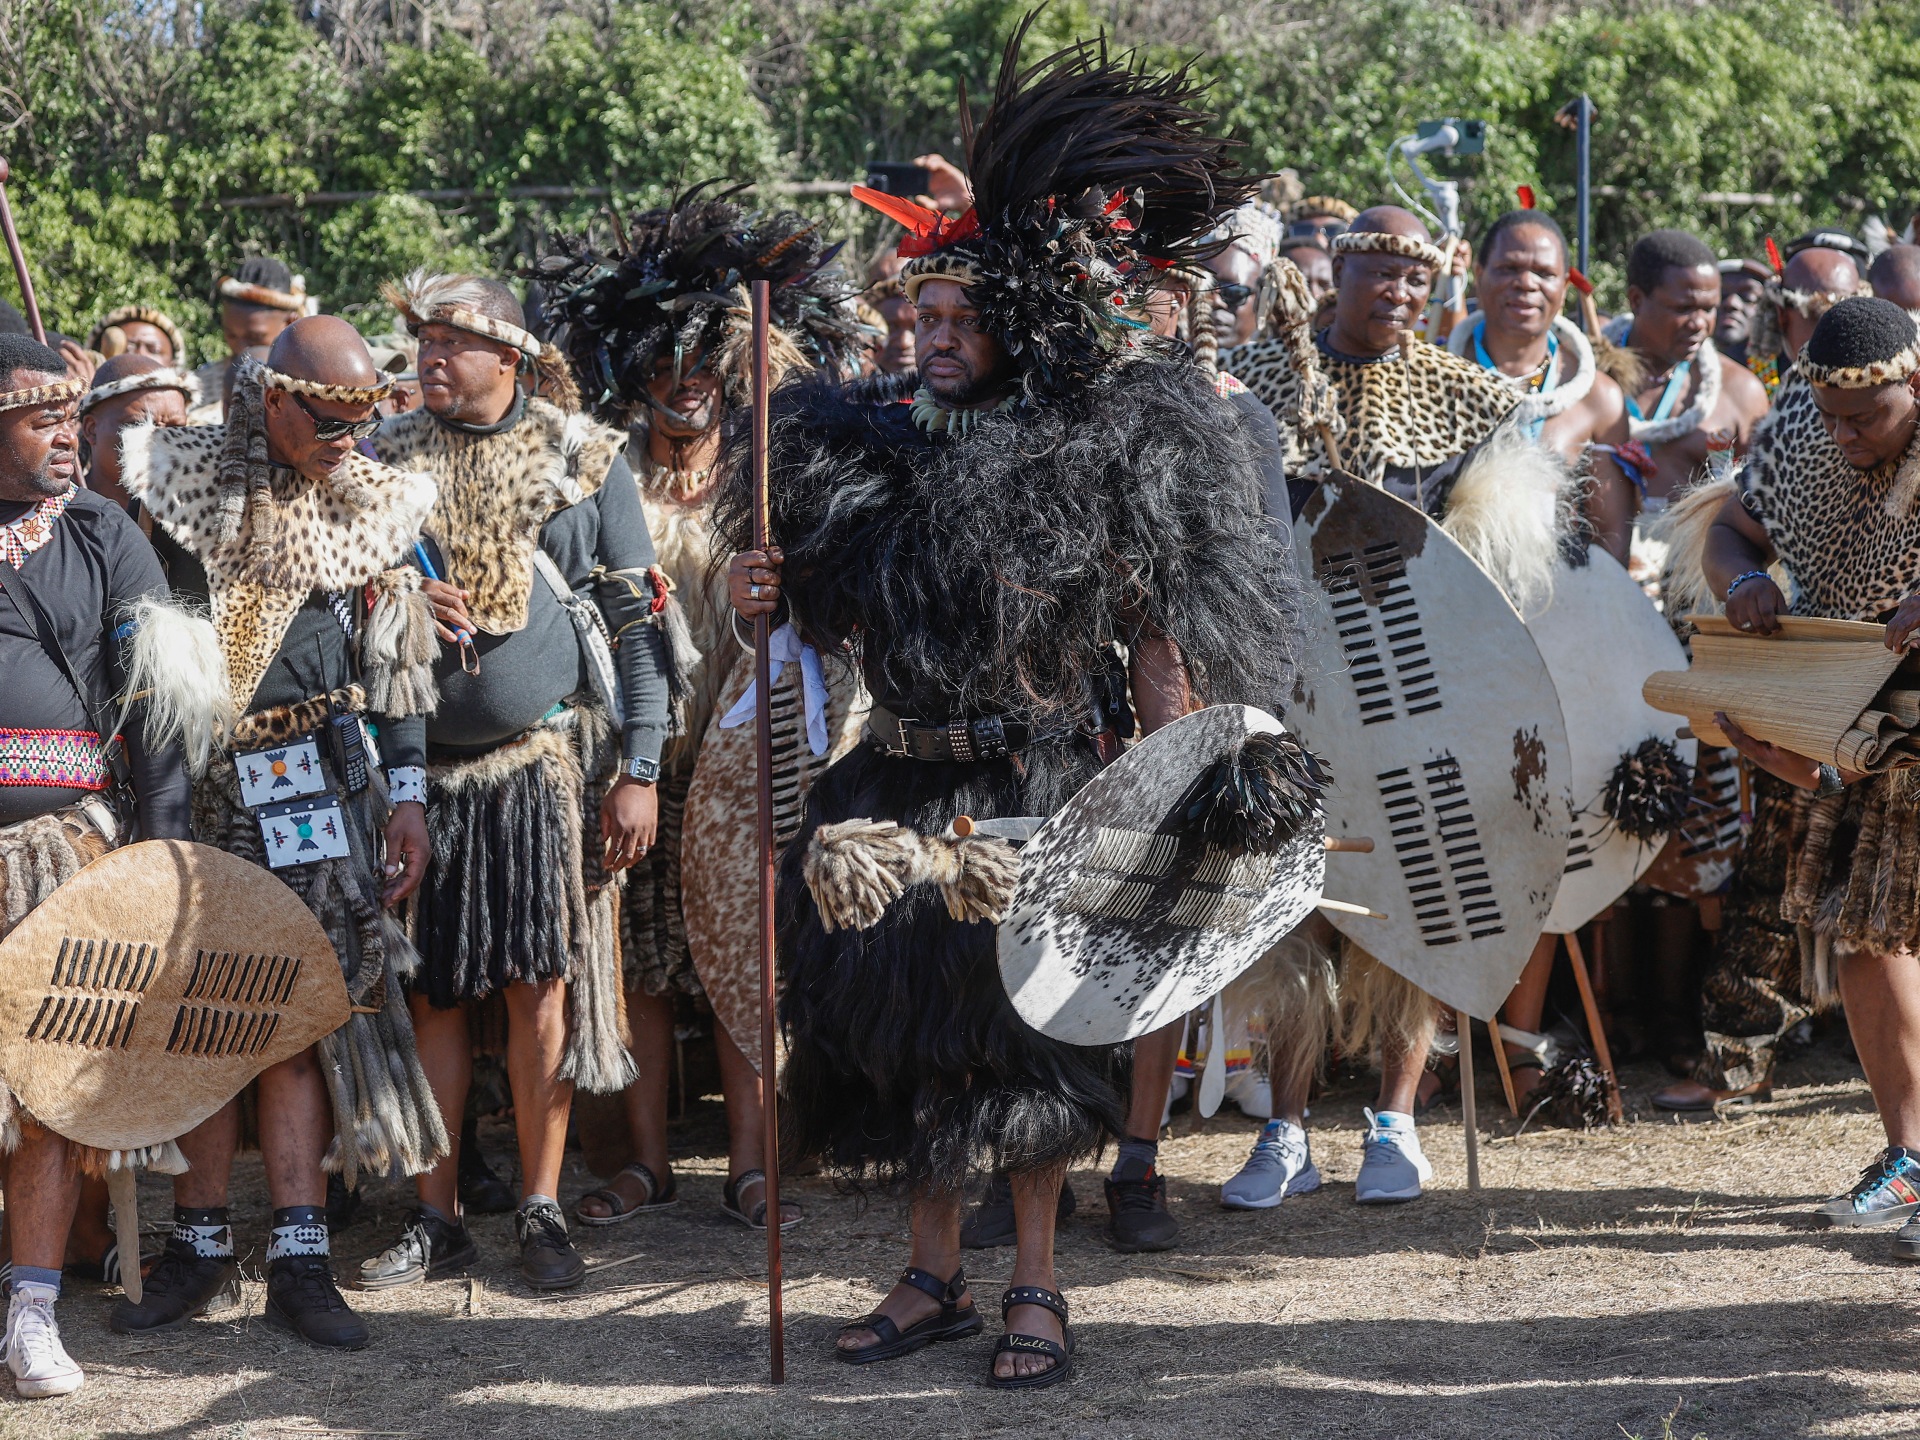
786	648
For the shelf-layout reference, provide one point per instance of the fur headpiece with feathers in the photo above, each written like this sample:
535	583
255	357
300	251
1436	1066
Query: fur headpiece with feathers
1090	177
678	282
462	301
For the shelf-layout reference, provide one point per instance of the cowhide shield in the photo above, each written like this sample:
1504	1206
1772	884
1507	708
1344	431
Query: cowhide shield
1120	922
1601	638
144	993
1429	702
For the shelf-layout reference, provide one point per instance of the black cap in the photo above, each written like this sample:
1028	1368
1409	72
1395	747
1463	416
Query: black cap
1828	240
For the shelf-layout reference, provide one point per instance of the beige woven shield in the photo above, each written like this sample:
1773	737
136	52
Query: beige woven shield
144	993
1430	704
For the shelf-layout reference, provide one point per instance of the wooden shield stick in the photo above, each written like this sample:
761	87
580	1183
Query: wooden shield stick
19	259
763	720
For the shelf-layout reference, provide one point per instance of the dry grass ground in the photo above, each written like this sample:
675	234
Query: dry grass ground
1655	1278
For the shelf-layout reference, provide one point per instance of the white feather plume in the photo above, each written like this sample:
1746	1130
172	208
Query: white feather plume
176	673
1508	509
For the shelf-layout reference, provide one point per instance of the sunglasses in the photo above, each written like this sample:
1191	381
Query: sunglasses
1232	297
325	430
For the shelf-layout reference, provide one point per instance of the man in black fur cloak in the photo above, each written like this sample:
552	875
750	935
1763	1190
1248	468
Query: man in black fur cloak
1053	487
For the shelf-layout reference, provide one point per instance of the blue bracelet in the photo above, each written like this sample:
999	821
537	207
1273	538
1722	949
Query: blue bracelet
1740	580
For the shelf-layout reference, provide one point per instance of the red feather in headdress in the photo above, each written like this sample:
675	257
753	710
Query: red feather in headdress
1525	192
1773	256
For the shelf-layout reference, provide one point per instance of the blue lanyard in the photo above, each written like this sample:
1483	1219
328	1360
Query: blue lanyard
1670	397
1549	382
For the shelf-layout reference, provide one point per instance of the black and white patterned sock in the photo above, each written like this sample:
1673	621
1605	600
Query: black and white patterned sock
298	1230
208	1231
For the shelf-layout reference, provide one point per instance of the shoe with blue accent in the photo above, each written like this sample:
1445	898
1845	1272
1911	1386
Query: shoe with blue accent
1281	1165
1392	1169
1888	1193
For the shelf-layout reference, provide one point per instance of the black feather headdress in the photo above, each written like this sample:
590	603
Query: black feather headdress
1091	177
676	285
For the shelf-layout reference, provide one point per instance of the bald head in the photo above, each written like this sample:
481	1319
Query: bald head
1819	269
1896	276
1390	220
326	350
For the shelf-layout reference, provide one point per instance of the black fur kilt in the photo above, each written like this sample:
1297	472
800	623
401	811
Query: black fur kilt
907	1066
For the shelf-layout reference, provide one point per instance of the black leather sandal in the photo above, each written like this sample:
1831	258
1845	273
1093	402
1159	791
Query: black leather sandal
1012	1344
618	1211
757	1217
954	1322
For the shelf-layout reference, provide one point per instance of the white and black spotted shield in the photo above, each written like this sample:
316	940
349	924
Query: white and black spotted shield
1428	701
1124	918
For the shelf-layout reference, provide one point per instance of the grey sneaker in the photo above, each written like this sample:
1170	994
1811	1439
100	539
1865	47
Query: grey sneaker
429	1247
1281	1165
1887	1193
1392	1168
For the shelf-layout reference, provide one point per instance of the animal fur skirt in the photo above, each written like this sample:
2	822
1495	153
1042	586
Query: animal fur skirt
384	1114
515	891
907	1066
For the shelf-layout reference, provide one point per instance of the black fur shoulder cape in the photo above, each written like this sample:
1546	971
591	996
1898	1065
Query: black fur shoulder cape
990	574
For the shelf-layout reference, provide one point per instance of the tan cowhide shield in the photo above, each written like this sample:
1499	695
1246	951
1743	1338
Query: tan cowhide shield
1429	702
1601	638
1120	922
144	993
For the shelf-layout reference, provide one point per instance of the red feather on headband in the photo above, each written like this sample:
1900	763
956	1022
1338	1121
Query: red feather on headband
1525	192
1773	255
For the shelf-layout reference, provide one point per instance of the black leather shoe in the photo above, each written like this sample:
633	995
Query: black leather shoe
181	1285
990	1223
548	1260
303	1300
428	1248
1137	1215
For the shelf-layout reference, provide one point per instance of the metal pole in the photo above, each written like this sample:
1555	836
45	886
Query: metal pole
1583	184
19	258
763	706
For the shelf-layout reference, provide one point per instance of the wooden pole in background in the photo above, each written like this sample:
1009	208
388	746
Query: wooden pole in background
19	259
763	708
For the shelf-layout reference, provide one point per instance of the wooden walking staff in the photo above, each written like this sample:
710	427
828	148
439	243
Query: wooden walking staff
763	720
19	259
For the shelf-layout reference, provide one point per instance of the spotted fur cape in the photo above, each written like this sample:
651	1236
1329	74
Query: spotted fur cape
354	529
495	492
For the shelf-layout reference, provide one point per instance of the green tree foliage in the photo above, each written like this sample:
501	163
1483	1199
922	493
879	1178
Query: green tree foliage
138	122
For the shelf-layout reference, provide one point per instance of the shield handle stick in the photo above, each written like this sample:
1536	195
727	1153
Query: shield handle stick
763	718
1469	1113
19	258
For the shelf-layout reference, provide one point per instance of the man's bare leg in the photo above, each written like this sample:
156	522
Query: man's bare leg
746	1123
445	1046
650	1023
1526	1006
1036	1196
935	1221
209	1148
296	1124
536	1048
1400	1071
42	1190
1882	998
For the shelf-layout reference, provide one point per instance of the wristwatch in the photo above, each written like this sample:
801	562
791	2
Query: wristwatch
1831	782
645	771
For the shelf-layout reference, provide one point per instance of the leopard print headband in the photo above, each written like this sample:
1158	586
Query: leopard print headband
141	314
294	299
1379	242
936	267
344	394
40	395
163	379
1894	371
475	323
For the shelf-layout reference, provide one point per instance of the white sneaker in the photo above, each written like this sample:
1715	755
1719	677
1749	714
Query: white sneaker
1391	1166
40	1363
1281	1165
1249	1090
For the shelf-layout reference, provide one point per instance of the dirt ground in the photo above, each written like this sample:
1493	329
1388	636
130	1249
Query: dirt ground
1658	1279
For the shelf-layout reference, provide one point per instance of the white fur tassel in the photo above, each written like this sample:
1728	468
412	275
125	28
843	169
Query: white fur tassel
1683	526
175	669
1507	509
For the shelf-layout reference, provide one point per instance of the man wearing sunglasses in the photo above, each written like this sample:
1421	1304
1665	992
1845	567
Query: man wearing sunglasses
299	544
